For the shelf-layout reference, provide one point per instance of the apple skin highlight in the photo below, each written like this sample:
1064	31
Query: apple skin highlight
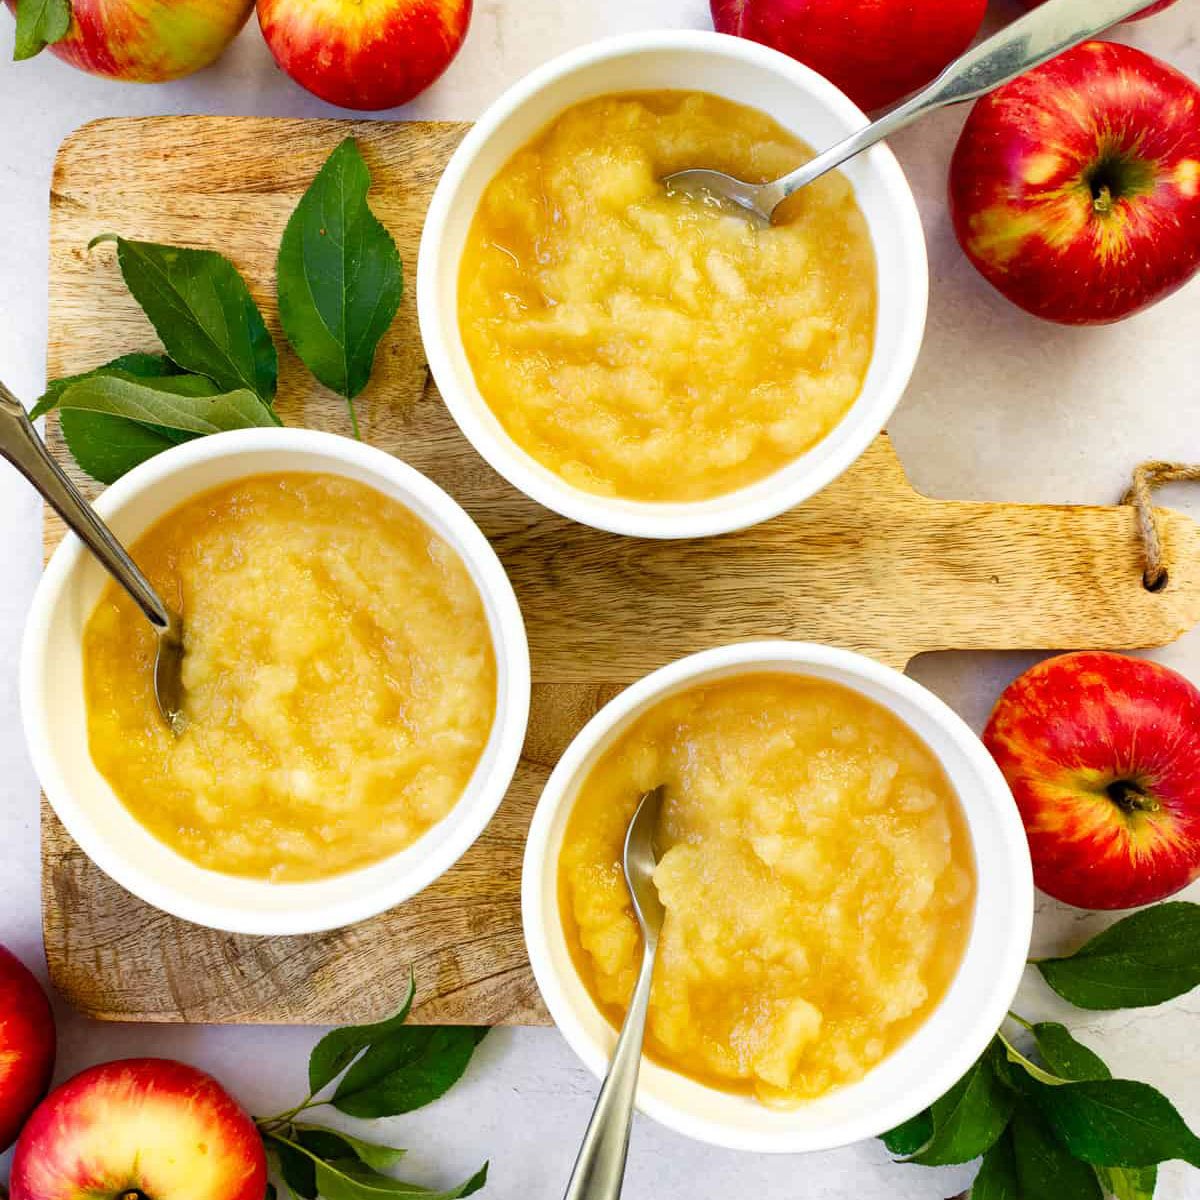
27	1045
148	41
1075	189
365	55
146	1125
874	50
1102	753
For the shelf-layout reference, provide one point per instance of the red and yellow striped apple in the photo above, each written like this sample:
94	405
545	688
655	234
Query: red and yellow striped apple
144	1127
148	41
1075	190
874	50
1102	753
364	54
26	1045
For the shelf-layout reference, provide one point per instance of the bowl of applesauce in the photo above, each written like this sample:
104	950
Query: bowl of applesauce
847	887
648	363
356	683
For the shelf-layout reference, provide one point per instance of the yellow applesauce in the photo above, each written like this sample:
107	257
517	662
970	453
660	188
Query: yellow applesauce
651	346
339	672
816	872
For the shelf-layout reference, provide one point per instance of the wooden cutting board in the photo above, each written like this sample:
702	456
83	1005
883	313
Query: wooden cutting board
868	564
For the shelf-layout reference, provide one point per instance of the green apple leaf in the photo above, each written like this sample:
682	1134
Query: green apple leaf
339	276
346	1179
1046	1169
1013	1056
1128	1183
111	422
340	1047
969	1118
334	1144
407	1069
997	1178
108	444
202	311
909	1137
1117	1123
39	24
298	1169
108	447
309	1174
183	403
1066	1057
105	447
1142	960
136	366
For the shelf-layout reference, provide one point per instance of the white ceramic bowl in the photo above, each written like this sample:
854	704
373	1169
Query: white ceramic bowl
740	70
938	1053
52	702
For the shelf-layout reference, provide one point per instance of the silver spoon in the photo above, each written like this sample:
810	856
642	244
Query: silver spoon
20	444
1047	31
600	1168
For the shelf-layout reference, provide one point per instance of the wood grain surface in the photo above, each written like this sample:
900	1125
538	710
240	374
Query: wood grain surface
868	564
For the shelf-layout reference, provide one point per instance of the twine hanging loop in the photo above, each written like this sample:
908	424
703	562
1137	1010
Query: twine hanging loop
1146	478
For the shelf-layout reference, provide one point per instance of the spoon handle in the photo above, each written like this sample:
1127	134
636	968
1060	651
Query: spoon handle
1040	35
20	444
600	1168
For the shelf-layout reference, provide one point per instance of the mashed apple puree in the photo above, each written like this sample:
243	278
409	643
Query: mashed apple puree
339	673
816	873
651	346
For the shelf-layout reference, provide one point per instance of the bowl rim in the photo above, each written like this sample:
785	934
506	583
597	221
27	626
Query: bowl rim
316	915
538	912
764	498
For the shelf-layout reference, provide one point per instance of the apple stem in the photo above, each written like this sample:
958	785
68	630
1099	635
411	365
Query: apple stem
1130	798
283	1119
1102	202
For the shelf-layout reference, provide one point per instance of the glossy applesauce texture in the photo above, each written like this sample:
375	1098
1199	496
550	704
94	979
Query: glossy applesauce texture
816	872
654	347
339	673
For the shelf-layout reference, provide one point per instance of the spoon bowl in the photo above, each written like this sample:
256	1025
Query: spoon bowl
726	192
168	672
1045	32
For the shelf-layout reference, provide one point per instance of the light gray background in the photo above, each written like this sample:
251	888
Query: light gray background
1002	408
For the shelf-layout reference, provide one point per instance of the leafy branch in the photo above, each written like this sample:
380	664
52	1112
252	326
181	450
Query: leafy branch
377	1070
339	280
1053	1123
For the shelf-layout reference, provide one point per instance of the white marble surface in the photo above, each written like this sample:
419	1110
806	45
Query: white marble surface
1001	408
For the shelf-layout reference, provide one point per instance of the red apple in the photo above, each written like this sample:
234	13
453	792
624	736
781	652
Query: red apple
1075	190
364	54
875	50
1146	12
148	41
143	1127
26	1045
1102	753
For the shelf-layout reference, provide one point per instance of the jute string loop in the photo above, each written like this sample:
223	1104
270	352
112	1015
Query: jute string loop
1146	478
